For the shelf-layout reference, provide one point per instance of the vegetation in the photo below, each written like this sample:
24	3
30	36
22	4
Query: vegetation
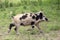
51	9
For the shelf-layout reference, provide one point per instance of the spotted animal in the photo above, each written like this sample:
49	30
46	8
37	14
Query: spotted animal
32	19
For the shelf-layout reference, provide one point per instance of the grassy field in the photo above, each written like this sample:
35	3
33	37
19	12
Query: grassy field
51	9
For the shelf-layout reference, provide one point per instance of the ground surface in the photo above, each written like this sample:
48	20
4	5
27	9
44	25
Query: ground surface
29	35
54	35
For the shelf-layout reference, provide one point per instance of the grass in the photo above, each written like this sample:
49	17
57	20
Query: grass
49	7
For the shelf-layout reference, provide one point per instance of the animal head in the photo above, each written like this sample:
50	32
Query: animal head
42	16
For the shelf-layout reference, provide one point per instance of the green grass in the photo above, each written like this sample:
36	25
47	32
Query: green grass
49	7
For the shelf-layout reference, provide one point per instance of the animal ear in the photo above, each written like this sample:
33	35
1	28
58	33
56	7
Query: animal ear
41	15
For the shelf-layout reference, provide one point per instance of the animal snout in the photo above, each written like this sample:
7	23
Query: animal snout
46	19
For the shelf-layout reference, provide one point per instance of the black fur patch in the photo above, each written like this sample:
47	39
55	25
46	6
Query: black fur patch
33	17
11	25
41	15
20	18
15	28
32	26
24	16
46	19
32	23
37	18
21	24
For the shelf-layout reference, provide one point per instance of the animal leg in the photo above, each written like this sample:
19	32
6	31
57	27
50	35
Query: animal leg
10	27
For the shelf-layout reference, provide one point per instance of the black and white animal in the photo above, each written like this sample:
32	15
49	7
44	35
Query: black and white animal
32	19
